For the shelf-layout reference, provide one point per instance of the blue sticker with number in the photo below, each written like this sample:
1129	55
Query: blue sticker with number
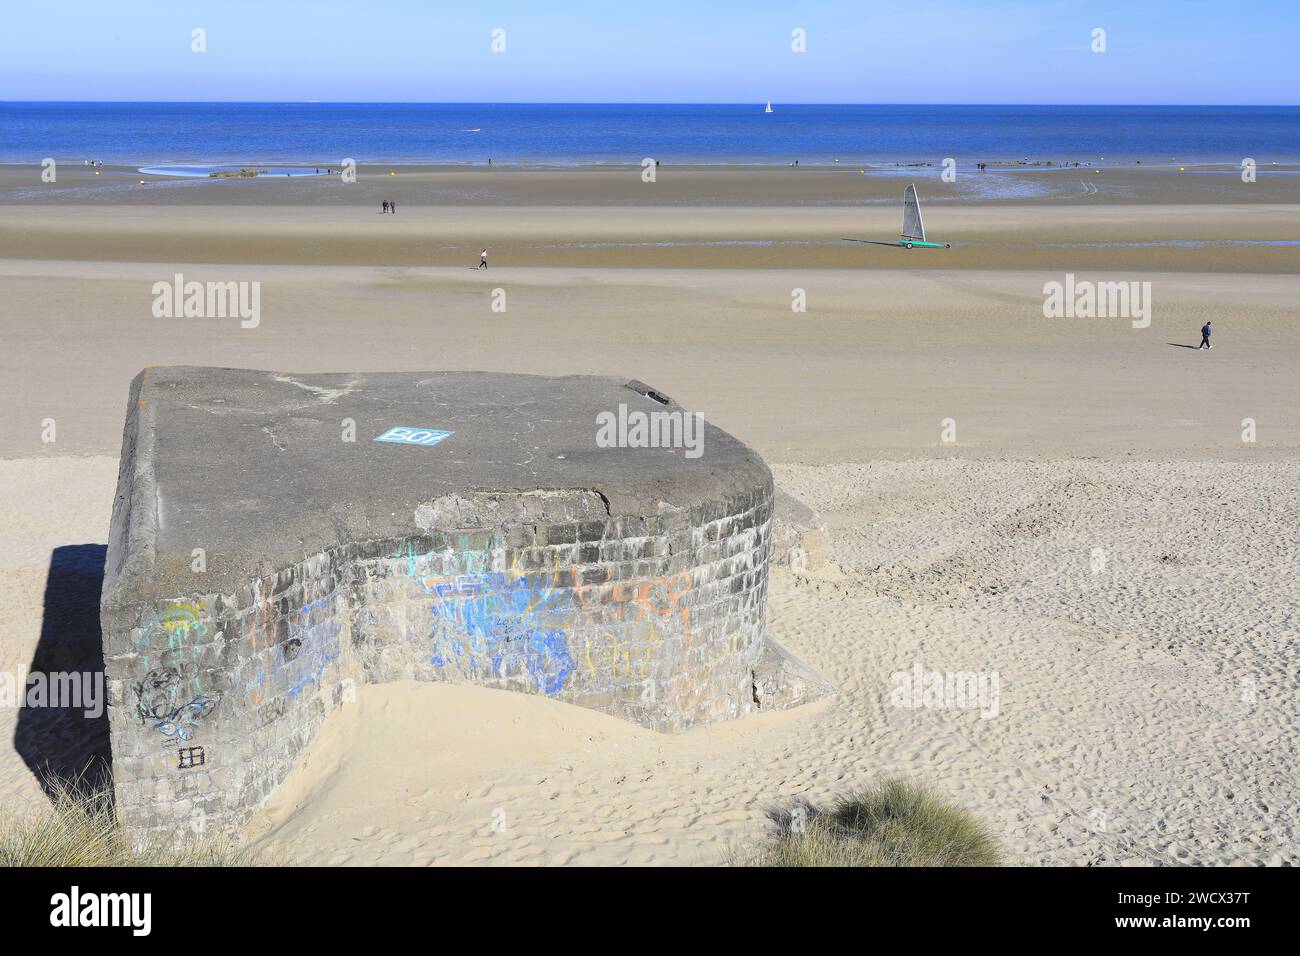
409	435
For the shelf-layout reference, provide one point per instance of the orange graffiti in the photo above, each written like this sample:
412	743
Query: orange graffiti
637	594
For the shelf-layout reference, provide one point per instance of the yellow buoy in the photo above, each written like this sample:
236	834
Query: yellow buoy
1182	169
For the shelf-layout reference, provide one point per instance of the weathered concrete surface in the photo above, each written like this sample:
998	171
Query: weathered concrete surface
267	554
799	538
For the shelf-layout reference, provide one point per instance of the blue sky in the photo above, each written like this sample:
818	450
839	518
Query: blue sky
711	51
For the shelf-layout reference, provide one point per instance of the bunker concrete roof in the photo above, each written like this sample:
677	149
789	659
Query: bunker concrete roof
253	466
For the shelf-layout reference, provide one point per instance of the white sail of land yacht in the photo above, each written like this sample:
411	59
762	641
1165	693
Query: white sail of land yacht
913	227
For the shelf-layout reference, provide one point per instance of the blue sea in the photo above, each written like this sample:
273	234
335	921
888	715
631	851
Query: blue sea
310	134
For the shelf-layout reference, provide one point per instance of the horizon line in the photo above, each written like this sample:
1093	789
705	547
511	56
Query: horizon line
620	103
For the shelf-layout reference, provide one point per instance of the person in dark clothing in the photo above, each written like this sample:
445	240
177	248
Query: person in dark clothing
1205	338
385	205
392	206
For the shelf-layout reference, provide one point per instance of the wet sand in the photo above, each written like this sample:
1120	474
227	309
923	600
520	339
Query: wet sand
1157	238
845	184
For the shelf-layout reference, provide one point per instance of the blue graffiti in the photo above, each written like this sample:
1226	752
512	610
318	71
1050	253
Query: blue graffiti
185	721
545	658
158	699
300	661
491	625
313	645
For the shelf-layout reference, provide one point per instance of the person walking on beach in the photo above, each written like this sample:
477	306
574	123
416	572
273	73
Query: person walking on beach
482	259
1205	337
392	206
385	206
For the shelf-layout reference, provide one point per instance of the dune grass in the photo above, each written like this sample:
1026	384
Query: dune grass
894	823
78	828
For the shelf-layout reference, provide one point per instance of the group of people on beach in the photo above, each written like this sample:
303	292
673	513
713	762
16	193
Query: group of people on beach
391	206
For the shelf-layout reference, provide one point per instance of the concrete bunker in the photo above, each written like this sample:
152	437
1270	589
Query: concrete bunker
277	540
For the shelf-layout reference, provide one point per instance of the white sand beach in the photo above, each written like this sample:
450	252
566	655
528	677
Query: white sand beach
1098	534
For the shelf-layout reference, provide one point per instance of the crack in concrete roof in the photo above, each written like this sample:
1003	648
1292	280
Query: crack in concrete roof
326	395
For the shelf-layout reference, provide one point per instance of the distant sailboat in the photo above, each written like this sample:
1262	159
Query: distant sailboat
769	107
